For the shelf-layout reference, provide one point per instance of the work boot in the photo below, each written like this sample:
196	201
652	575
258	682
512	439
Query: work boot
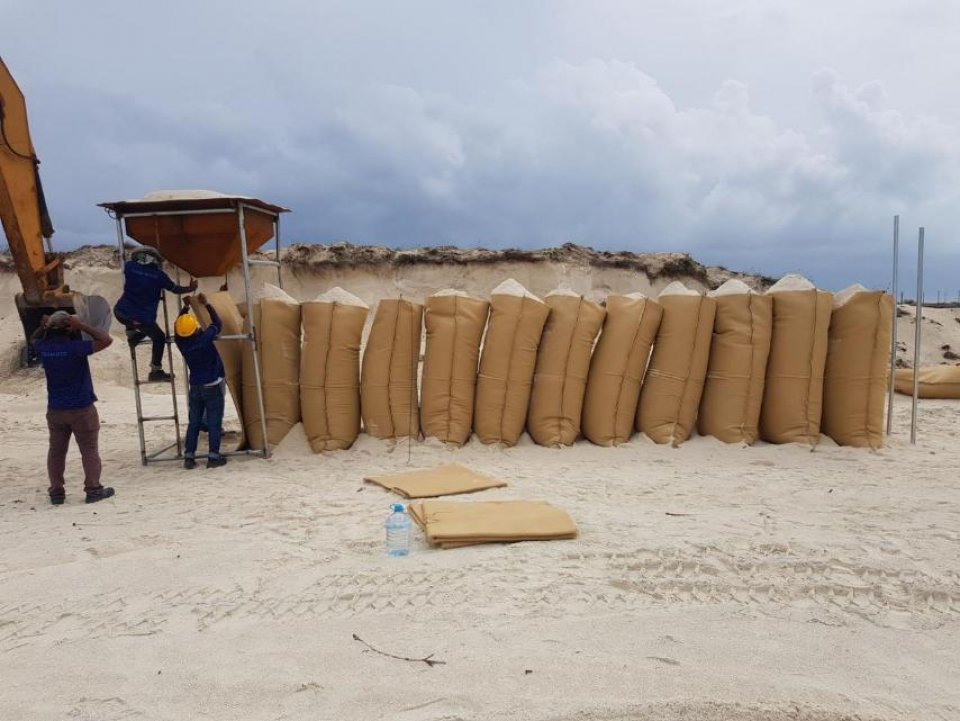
158	375
57	499
216	462
189	464
99	494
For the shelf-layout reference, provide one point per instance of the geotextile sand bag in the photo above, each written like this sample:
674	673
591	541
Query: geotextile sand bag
388	381
617	367
733	389
933	381
277	320
793	391
670	396
507	363
454	322
563	362
330	369
231	351
858	360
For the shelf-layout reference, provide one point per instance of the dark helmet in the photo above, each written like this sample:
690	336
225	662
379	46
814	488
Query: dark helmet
145	255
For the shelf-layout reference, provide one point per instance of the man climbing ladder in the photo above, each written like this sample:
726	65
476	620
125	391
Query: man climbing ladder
143	283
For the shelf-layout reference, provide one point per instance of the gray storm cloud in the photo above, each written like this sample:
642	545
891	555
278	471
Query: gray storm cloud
564	147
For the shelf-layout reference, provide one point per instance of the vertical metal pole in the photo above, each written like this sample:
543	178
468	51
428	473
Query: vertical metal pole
173	379
120	240
916	340
276	235
893	334
252	329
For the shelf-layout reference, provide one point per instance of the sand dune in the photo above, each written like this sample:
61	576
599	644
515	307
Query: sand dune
708	582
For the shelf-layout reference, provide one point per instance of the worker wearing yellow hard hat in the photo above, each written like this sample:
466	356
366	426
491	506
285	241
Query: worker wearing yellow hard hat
206	395
186	325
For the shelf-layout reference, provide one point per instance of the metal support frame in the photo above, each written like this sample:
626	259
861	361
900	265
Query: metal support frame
250	336
918	333
893	334
251	325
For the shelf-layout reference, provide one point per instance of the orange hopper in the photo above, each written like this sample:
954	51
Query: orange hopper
198	231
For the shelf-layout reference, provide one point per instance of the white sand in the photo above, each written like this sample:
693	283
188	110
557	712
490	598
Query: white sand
341	296
733	286
709	582
844	296
512	287
791	282
677	288
564	291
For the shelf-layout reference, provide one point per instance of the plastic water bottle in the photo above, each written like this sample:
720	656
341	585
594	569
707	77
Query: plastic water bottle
398	531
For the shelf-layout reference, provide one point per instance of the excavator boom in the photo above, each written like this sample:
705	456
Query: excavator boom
23	212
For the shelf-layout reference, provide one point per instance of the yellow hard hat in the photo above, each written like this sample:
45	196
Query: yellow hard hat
186	325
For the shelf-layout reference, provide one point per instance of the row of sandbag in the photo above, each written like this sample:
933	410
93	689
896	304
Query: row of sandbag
734	363
543	368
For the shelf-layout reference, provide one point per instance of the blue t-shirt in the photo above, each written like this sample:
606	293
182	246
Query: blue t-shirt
201	354
141	292
69	385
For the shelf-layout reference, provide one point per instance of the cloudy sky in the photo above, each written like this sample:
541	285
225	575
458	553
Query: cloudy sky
768	135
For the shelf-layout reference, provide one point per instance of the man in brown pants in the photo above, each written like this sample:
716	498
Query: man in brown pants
70	400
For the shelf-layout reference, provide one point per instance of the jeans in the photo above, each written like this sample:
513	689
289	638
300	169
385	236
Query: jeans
206	406
136	332
84	425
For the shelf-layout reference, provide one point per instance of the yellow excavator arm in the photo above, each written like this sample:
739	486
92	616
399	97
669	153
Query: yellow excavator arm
23	212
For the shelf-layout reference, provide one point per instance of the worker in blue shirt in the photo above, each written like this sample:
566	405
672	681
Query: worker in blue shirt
70	400
206	397
143	283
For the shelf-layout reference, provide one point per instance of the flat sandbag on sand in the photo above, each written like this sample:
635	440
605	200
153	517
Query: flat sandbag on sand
670	396
277	321
454	323
733	390
617	367
793	392
855	377
231	351
388	380
563	362
330	369
452	524
507	363
932	382
446	480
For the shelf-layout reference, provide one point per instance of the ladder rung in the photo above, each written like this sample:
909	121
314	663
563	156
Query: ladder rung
145	419
151	383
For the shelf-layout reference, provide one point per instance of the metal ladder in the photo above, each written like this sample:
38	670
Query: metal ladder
158	455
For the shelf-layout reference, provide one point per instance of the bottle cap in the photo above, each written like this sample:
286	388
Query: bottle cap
398	508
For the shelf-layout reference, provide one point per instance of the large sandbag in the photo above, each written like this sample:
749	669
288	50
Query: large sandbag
330	369
231	351
858	360
388	381
277	320
563	362
733	390
454	323
672	387
933	381
793	392
507	363
617	367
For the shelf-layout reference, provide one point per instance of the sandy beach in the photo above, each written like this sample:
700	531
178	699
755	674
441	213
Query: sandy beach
708	581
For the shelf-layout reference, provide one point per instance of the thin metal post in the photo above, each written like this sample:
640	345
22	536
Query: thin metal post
893	334
916	340
251	323
173	379
120	240
276	236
